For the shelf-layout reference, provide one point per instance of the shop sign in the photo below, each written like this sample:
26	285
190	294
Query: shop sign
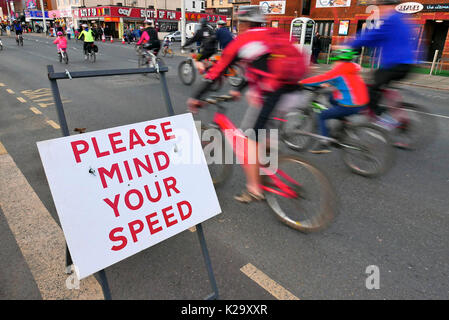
332	3
436	7
273	7
31	4
409	7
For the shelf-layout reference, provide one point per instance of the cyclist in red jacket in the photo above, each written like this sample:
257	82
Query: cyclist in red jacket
273	68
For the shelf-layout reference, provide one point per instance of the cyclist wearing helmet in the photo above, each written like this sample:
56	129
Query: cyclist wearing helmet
274	65
206	36
149	38
350	94
60	41
88	39
394	37
224	36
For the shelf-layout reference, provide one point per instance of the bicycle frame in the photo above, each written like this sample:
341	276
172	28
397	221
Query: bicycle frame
236	138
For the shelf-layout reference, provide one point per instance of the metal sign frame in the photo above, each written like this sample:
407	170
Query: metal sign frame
54	77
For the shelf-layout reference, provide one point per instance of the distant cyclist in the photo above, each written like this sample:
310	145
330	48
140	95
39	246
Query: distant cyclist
88	36
149	38
206	36
18	29
394	37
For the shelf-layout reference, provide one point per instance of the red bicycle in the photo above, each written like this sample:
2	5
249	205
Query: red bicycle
300	195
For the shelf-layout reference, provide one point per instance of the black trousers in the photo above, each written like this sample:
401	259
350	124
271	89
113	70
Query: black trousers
382	78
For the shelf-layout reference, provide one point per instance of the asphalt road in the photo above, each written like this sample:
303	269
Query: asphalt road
398	222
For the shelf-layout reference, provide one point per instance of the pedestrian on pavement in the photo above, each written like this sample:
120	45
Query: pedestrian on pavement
316	47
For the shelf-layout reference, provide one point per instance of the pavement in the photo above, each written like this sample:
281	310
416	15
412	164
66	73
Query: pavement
398	222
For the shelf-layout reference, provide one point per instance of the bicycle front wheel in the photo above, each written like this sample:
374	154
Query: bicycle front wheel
300	194
66	58
298	121
214	148
367	149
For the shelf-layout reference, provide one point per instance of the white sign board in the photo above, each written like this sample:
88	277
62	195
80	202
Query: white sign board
121	190
332	3
272	7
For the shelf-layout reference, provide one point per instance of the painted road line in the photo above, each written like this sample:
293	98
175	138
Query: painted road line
35	110
21	99
39	237
267	283
2	149
53	124
422	112
10	91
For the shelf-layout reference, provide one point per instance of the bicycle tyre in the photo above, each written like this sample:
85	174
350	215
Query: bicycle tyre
326	196
236	80
220	172
297	121
378	150
417	127
186	68
66	58
21	41
60	57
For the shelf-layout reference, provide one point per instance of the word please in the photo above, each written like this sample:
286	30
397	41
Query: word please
152	135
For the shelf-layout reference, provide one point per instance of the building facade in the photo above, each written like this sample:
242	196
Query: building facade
341	20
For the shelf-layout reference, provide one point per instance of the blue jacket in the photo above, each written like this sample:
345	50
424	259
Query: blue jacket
224	36
394	37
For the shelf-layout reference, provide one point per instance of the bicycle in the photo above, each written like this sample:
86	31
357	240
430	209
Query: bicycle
63	56
167	50
187	72
413	129
91	53
291	189
19	40
366	147
149	59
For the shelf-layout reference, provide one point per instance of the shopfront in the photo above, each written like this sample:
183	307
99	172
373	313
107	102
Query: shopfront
35	18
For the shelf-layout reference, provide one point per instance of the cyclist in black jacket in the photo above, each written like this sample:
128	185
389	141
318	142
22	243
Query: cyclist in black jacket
205	35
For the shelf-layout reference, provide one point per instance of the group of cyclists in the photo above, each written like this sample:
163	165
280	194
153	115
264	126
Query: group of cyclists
275	68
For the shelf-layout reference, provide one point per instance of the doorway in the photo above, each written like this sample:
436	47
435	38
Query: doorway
437	33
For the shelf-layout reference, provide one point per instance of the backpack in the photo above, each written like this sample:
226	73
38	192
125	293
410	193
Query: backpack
286	63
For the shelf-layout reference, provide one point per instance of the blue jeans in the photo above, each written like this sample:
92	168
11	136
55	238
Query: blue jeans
335	112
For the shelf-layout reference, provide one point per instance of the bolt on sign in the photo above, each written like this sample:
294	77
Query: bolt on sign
121	190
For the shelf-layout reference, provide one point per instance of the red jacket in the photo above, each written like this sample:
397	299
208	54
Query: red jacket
264	52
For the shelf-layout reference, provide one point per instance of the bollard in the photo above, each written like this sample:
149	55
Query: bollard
435	56
328	53
361	56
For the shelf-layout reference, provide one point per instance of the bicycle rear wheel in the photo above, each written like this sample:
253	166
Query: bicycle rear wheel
311	207
186	72
367	149
416	129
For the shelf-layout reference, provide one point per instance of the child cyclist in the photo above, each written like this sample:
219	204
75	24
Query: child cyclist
350	94
60	41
